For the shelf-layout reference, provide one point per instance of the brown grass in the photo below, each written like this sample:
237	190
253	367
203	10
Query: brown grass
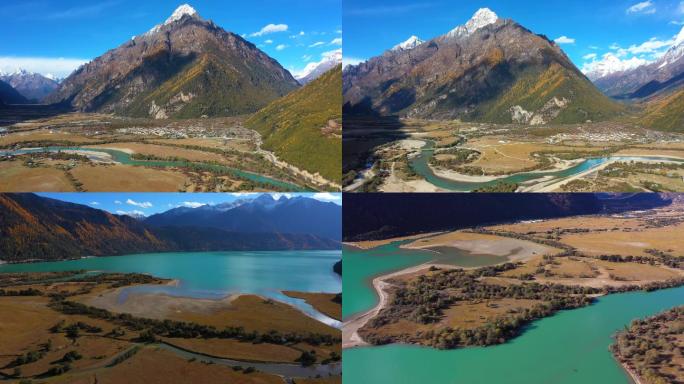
629	243
125	178
15	177
233	349
42	135
164	151
322	302
156	366
258	314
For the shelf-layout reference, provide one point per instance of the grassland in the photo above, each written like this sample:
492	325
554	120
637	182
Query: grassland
304	127
330	304
49	336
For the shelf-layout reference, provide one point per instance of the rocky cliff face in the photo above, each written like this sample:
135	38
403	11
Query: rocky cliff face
489	69
185	67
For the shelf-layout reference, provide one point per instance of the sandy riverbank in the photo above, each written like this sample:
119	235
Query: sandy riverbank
555	185
350	328
483	244
559	165
369	244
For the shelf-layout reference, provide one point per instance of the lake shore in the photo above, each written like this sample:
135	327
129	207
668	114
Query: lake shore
369	244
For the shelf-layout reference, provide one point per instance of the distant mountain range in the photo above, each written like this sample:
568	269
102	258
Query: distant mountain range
33	86
304	127
312	71
658	85
490	70
38	228
296	215
369	216
185	67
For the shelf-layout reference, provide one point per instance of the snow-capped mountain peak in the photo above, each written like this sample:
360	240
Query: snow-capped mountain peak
411	43
181	11
315	69
178	14
481	18
611	64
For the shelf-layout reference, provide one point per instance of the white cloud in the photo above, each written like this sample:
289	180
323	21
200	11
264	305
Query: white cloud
589	56
565	40
675	22
94	203
270	28
325	56
594	47
143	205
680	9
336	41
339	31
645	8
610	63
118	202
280	47
346	60
130	213
301	33
192	204
58	66
327	196
316	44
652	47
306	58
269	41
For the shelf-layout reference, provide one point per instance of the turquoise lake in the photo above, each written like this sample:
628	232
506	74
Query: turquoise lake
568	348
217	274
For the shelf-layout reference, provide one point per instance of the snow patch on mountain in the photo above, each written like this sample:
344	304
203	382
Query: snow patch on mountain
611	64
409	44
481	18
178	14
313	70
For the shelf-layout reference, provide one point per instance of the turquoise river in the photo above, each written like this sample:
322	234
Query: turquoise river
125	158
217	274
420	164
570	347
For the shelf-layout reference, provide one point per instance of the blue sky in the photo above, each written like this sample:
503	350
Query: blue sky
151	203
55	36
591	28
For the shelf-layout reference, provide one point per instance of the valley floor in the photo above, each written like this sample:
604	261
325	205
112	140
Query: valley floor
440	156
551	265
97	152
74	327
